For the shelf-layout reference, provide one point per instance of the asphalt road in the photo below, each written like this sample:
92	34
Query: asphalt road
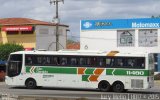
149	94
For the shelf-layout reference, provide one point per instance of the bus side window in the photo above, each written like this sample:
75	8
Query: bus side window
140	62
119	62
64	61
39	60
48	60
112	61
28	60
131	62
89	62
82	61
86	62
108	62
44	60
73	61
94	61
100	62
34	60
55	61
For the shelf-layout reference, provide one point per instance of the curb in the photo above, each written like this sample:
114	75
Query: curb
157	82
2	83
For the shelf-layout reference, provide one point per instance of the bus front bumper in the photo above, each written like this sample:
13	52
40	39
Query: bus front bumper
9	80
13	81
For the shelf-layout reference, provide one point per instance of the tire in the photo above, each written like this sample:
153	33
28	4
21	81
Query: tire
30	84
118	87
104	86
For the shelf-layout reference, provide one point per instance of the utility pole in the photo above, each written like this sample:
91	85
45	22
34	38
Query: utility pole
56	20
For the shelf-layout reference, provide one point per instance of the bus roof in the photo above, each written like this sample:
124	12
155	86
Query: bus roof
82	53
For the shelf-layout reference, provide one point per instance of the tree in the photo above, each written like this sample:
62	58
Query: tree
72	44
155	16
6	49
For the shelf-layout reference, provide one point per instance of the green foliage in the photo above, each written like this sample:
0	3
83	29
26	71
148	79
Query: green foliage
69	41
155	16
6	49
157	77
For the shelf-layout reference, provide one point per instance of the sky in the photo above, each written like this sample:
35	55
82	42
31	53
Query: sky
72	11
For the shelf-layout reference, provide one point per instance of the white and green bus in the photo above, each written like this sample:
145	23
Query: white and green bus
81	69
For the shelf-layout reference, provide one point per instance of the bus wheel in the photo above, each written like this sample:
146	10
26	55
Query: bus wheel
118	86
31	83
104	86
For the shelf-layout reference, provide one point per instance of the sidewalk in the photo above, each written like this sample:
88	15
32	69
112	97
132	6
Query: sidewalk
157	82
2	83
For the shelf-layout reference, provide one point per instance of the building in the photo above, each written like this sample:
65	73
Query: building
124	35
32	33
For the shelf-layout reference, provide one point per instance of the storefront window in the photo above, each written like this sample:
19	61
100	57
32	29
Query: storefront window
12	32
27	32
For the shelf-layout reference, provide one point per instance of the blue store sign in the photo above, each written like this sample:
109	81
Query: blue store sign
120	23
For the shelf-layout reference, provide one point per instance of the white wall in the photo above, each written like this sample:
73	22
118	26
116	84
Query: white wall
107	40
98	40
62	37
46	37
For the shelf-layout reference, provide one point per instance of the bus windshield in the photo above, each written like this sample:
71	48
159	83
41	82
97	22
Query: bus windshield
14	65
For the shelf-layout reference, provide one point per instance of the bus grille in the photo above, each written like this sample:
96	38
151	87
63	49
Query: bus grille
135	83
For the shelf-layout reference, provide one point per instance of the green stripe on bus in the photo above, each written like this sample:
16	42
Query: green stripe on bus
85	77
126	72
89	71
28	69
57	70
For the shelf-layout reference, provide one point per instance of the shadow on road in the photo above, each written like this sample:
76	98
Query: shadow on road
148	91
